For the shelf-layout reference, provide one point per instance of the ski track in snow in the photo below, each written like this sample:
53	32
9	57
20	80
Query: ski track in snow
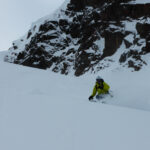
41	110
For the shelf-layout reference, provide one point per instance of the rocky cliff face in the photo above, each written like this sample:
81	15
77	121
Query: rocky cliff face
87	35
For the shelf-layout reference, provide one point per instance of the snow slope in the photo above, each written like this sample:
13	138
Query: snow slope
140	1
40	110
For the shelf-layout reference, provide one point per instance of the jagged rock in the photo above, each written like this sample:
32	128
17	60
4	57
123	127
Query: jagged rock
86	34
51	25
82	62
127	43
112	43
131	64
143	29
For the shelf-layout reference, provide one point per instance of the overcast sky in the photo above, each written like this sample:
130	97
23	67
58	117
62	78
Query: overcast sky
16	17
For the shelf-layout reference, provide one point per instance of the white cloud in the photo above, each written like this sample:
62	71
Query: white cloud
16	17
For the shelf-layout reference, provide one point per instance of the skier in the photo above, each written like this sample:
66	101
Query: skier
101	87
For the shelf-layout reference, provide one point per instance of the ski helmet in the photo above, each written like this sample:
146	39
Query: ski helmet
99	79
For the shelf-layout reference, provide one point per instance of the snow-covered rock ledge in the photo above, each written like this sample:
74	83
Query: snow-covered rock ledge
85	36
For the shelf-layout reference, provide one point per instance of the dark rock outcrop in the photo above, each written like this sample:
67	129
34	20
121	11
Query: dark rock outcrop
85	34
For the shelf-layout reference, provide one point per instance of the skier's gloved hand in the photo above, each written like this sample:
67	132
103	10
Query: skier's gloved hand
91	97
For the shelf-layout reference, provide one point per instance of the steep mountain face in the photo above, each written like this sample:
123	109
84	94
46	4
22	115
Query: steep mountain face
87	35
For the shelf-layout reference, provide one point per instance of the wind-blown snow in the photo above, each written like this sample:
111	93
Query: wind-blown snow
40	110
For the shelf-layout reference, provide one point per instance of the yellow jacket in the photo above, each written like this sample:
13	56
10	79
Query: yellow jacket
100	89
